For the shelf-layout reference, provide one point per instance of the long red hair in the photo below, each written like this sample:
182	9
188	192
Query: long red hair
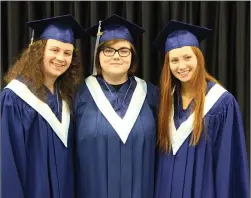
167	84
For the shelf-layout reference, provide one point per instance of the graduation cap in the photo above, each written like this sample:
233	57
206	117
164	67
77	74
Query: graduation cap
62	28
177	34
114	27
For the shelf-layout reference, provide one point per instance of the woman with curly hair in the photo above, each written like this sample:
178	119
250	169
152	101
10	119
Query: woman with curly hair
35	113
200	131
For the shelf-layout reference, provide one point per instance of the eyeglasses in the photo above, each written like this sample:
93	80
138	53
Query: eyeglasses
123	52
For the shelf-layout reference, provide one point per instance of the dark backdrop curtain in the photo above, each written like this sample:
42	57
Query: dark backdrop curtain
227	50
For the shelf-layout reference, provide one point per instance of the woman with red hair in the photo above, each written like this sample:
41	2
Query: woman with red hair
201	137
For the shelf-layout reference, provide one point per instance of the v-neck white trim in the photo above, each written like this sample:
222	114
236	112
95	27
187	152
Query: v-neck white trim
123	126
61	129
184	130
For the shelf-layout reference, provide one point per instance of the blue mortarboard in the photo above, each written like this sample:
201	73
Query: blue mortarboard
116	27
178	34
62	28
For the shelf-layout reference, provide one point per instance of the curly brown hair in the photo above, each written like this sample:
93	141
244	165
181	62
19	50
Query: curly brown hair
133	67
29	67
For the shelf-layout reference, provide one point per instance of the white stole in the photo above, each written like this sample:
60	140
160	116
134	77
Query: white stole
123	126
184	130
61	129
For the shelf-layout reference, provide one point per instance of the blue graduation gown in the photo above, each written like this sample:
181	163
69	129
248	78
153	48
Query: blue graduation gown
106	167
217	167
35	163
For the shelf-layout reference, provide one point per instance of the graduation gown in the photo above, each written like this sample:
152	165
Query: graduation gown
109	164
35	162
217	167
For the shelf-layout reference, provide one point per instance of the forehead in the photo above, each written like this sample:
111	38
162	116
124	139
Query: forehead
120	44
181	51
56	43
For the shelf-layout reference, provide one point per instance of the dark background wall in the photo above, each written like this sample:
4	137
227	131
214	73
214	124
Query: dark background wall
227	50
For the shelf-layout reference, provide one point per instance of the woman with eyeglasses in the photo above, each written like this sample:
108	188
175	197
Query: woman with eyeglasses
115	119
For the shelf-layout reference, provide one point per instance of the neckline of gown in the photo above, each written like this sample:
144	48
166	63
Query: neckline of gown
122	89
180	113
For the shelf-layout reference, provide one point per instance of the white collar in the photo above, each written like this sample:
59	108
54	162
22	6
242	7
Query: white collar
61	129
184	130
123	126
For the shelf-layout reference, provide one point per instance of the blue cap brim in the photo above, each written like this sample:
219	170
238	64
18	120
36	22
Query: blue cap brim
63	28
116	27
176	34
